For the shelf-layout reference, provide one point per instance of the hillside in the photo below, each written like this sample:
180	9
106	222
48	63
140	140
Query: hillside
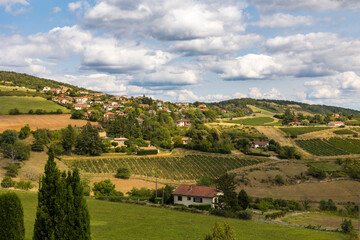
31	82
277	106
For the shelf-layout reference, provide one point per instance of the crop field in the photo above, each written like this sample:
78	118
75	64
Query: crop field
49	121
109	220
187	167
302	130
24	104
319	147
344	132
252	121
348	145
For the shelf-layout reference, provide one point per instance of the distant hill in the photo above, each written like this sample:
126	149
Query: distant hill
28	81
278	106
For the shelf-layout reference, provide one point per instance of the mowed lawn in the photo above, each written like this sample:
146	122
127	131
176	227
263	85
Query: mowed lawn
24	104
110	221
252	121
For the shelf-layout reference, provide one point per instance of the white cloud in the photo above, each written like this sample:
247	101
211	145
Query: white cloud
239	95
10	5
255	92
250	66
167	20
73	6
348	80
56	9
324	92
310	5
282	20
215	45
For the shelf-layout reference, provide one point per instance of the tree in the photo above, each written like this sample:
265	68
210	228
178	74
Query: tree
228	201
68	138
7	182
347	226
62	211
24	132
123	173
89	141
243	199
11	217
221	233
206	181
16	151
9	137
105	188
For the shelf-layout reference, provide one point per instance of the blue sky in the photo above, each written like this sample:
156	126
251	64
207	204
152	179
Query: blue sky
189	50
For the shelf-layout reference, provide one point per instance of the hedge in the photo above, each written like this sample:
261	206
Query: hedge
158	200
275	215
202	206
147	152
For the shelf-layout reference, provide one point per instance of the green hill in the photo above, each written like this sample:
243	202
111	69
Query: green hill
278	106
111	220
24	104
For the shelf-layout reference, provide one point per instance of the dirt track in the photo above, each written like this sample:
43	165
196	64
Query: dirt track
16	122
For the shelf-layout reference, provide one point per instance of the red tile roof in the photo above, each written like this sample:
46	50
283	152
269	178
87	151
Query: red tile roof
195	191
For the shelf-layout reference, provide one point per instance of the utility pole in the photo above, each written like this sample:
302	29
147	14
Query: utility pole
162	201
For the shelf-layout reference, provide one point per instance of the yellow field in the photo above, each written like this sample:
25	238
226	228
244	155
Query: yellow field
16	122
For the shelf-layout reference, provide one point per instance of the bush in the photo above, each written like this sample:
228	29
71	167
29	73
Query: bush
105	188
142	192
203	206
347	226
12	169
158	200
246	215
24	185
275	215
7	182
327	206
222	213
316	173
123	173
279	180
14	111
147	152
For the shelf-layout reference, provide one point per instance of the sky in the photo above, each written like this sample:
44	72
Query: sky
190	50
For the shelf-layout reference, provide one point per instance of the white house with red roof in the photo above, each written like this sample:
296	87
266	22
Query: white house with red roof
336	124
187	195
183	123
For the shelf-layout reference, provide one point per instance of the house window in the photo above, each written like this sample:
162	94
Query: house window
179	198
189	198
198	200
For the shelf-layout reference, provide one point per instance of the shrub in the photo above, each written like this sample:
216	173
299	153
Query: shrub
347	226
12	169
158	200
24	185
142	192
275	215
14	111
123	173
222	213
246	215
202	206
105	188
327	206
147	152
316	173
7	182
279	180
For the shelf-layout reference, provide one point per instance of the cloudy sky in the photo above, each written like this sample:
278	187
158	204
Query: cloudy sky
188	50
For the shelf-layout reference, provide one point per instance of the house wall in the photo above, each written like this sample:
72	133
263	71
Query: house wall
187	202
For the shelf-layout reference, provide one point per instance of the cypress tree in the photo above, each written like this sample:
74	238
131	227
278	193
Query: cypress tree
243	199
45	223
89	141
11	217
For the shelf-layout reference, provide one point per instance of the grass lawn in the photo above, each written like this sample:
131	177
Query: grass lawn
323	219
326	166
302	130
252	121
24	104
128	221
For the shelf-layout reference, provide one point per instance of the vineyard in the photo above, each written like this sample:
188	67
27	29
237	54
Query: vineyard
252	121
189	167
319	147
302	130
344	131
346	144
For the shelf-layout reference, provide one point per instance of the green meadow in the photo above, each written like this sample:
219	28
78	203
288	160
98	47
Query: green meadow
110	220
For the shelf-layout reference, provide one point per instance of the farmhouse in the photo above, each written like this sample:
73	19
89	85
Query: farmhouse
336	124
120	141
260	144
185	140
295	123
109	115
45	89
148	148
183	123
80	106
187	195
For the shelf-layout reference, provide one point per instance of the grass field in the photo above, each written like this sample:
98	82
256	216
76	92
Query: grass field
126	221
319	147
188	167
325	166
252	121
24	104
322	219
9	88
16	122
344	131
302	130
